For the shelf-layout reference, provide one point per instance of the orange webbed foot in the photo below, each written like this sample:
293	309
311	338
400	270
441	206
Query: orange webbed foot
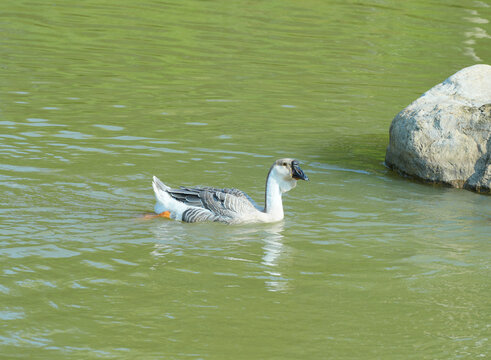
165	214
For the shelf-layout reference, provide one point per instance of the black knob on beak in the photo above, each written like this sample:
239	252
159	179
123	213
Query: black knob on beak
298	173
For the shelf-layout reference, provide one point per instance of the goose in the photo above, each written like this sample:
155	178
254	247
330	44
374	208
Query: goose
231	206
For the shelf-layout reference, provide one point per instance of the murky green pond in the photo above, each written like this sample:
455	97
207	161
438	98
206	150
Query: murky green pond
98	96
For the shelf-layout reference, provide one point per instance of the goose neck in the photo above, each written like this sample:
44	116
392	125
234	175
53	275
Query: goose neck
274	203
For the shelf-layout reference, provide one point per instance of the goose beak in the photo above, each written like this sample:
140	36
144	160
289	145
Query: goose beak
298	173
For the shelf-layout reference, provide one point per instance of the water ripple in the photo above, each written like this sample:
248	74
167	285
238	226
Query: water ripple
23	169
45	251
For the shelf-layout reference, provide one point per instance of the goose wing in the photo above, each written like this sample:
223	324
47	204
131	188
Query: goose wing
221	202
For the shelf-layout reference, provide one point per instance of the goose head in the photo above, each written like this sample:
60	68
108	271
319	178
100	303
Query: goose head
286	172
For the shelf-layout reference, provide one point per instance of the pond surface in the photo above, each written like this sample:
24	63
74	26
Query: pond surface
96	97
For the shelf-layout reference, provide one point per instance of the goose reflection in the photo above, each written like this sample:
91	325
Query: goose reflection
173	241
274	250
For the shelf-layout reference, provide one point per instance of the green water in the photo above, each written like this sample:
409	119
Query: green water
98	96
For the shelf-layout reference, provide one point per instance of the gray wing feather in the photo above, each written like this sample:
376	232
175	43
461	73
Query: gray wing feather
187	196
196	214
212	204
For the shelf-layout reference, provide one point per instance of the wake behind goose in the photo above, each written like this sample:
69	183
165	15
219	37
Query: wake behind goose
231	206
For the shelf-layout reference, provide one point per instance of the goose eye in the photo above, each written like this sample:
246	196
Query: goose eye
284	164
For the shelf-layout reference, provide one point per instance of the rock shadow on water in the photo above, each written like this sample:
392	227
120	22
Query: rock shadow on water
360	153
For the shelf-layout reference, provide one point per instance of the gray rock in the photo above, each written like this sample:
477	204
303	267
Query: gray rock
444	136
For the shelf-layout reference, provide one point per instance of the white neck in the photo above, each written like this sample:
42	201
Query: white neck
274	204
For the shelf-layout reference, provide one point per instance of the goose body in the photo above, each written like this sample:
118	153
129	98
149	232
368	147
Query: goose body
232	206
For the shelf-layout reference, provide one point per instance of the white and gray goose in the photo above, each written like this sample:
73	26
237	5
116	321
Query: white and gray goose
229	206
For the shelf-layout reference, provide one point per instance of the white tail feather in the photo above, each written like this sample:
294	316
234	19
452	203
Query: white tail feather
165	202
159	189
159	184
